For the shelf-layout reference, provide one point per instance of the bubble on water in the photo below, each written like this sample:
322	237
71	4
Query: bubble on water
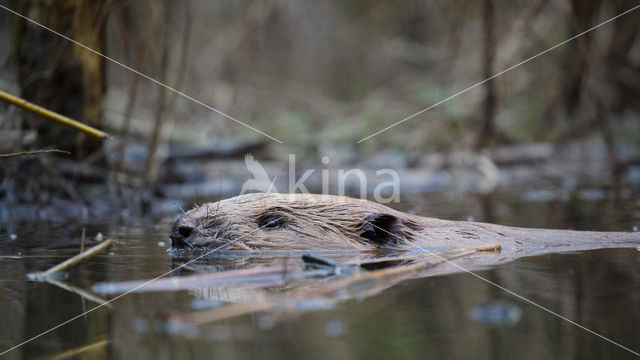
334	328
161	243
470	218
13	236
635	228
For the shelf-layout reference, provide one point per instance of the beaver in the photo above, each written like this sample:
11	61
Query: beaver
261	221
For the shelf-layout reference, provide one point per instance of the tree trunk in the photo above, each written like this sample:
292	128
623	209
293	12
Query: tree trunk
487	132
59	75
576	61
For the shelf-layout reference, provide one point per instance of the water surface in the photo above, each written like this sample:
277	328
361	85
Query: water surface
453	316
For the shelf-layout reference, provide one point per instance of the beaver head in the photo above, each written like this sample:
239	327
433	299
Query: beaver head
292	222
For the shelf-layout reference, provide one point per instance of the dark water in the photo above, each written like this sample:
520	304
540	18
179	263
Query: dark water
453	316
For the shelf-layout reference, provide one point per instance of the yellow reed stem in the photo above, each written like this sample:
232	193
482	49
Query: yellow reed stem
20	102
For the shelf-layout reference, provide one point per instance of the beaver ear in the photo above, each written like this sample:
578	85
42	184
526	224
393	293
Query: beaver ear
381	229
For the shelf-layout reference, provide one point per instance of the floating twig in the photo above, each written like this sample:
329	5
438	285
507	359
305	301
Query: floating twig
71	261
52	115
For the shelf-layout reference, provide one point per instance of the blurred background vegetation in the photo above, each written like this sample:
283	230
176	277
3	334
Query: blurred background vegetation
318	75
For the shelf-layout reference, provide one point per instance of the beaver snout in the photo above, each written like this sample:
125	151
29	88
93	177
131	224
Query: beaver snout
182	232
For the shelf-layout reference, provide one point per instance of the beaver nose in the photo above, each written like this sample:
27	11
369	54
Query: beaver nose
181	231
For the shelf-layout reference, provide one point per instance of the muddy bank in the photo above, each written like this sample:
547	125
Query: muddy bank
54	187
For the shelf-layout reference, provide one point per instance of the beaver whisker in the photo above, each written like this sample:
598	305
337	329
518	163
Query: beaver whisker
188	245
206	244
219	192
243	246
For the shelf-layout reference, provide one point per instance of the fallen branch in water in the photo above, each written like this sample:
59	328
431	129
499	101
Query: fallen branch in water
39	276
35	152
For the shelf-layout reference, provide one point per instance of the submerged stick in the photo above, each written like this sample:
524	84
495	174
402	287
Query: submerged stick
71	261
20	102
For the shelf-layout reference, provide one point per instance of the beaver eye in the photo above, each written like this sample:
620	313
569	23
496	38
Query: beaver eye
271	224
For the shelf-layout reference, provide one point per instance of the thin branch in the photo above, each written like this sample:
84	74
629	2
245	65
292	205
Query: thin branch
35	152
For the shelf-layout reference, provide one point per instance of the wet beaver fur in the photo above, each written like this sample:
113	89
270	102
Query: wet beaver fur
263	221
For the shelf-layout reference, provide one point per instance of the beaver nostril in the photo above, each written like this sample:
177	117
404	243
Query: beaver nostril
181	233
185	231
